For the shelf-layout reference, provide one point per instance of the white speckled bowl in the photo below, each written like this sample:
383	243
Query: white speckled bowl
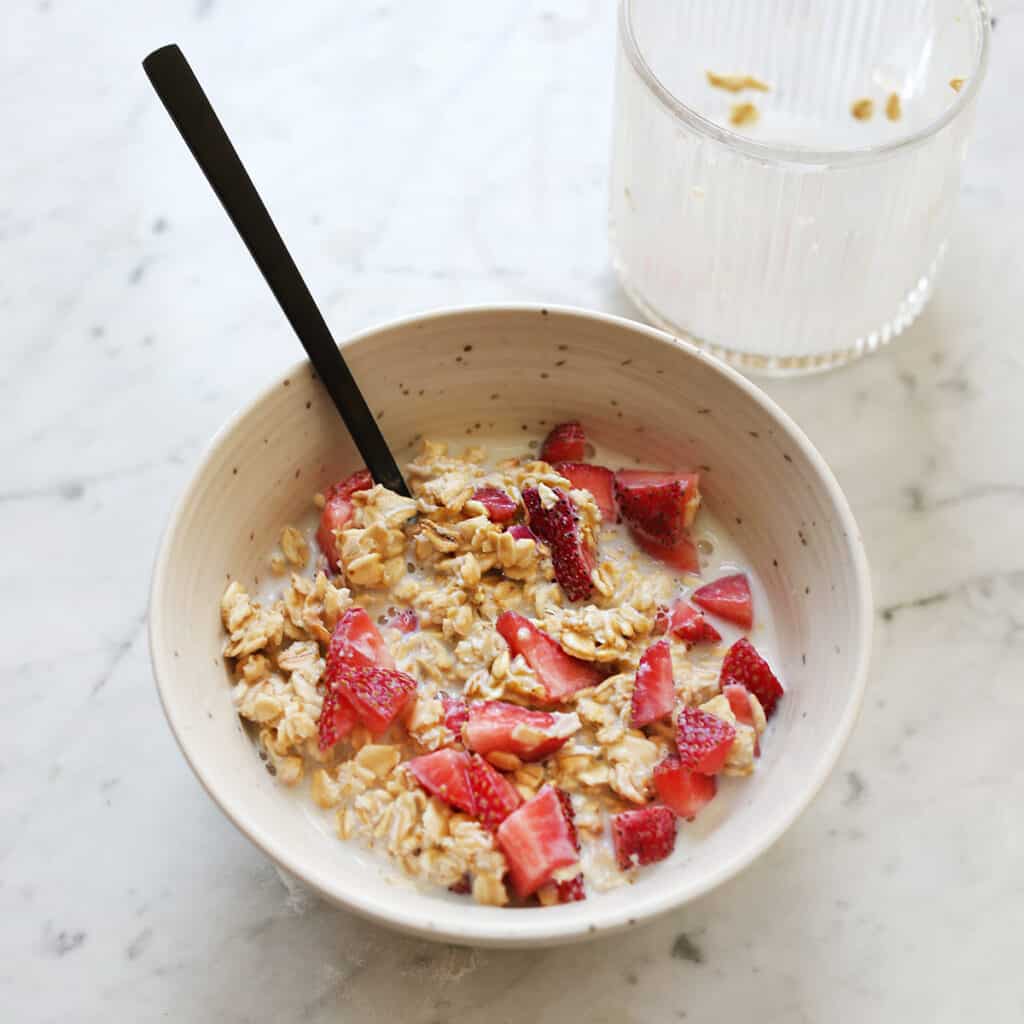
509	366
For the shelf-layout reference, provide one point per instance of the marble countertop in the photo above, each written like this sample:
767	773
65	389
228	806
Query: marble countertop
415	156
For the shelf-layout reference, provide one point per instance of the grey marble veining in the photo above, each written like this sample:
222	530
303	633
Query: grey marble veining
420	155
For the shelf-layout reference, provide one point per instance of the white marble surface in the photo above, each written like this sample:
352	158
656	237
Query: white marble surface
419	155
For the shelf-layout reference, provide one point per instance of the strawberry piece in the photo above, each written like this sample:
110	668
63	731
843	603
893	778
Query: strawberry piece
570	816
681	555
405	620
355	643
728	597
521	532
559	673
654	690
456	713
596	479
337	719
559	527
445	773
703	740
643	836
536	842
572	890
494	797
745	666
378	695
645	490
682	790
686	623
739	700
658	511
338	511
501	507
494	725
661	620
565	443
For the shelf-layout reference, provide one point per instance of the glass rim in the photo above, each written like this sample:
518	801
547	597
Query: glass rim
779	152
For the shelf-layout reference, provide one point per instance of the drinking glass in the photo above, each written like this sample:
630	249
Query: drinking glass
798	222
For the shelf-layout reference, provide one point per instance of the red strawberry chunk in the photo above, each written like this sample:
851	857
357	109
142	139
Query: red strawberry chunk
337	719
681	555
745	666
739	700
501	507
456	713
558	526
494	725
571	891
378	695
521	532
686	623
565	443
635	483
658	505
643	836
559	673
654	690
536	842
596	479
338	511
570	815
405	620
703	740
684	791
355	643
494	797
445	773
728	597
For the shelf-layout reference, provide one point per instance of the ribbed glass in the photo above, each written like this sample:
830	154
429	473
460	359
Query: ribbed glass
809	237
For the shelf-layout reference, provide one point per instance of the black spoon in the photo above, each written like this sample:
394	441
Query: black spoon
194	117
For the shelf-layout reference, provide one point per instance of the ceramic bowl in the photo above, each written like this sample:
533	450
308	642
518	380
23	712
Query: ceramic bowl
636	389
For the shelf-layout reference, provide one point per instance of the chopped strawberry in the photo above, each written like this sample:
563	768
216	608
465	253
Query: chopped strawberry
634	484
494	725
703	740
681	555
570	816
596	479
661	620
686	623
378	695
565	443
654	690
684	791
337	719
338	511
728	597
559	527
739	700
559	673
456	713
659	509
745	666
521	532
536	842
643	836
404	620
501	507
494	797
445	773
572	890
355	643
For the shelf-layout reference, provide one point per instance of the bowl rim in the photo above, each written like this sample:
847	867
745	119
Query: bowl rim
487	926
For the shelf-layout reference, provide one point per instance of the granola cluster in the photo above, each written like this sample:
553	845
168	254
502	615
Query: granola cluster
443	563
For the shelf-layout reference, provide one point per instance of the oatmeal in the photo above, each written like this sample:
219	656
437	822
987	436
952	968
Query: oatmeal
512	684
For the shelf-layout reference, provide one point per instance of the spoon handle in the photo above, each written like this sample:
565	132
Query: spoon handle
194	117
